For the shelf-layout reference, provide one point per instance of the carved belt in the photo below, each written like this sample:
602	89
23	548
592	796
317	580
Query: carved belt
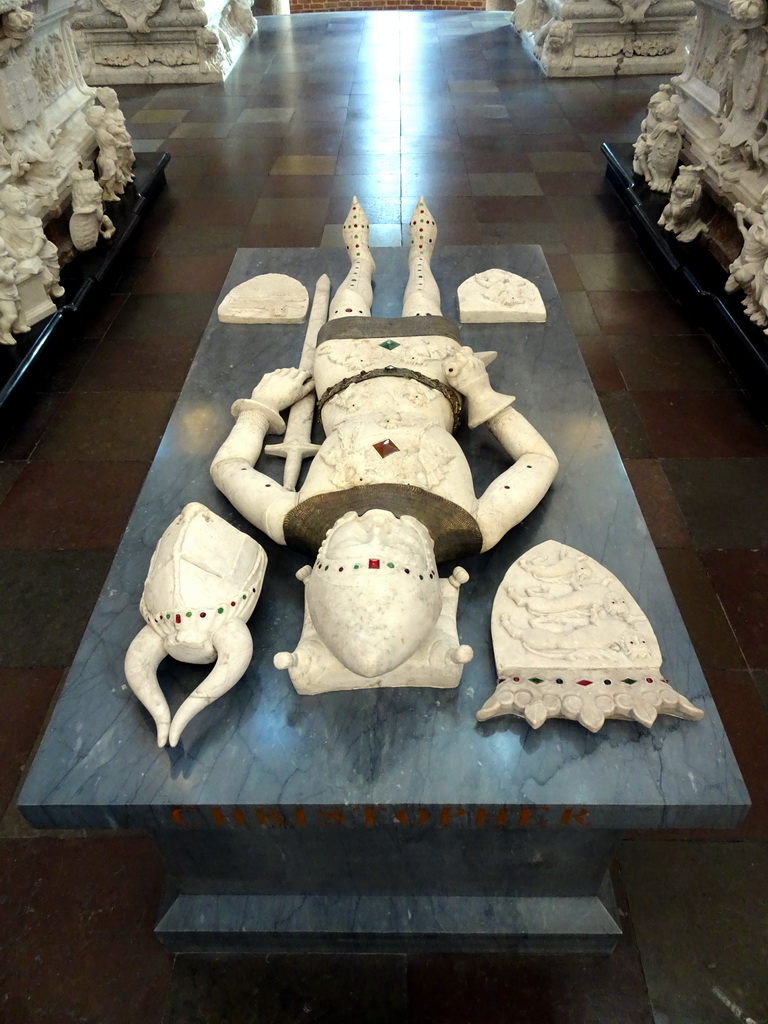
451	394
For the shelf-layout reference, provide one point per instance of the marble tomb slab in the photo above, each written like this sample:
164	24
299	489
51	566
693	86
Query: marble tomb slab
396	802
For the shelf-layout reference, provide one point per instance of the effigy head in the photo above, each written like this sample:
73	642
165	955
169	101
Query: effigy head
107	96
373	592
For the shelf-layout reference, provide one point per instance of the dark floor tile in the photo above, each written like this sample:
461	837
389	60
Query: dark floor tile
741	581
280	988
627	311
570	183
76	932
183	316
297	186
198	272
760	679
579	312
508	209
601	206
562	163
562	269
49	596
29	427
670	361
597	236
265	236
98	320
545	234
711	632
107	426
616	271
701	424
291	212
24	698
72	505
658	503
499	989
600	361
698	910
184	239
626	426
9	473
435	183
225	211
723	500
480	161
447	209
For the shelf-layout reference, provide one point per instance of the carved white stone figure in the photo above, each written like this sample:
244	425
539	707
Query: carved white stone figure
266	299
658	151
389	493
37	261
88	221
114	122
11	316
135	13
498	296
111	169
17	26
749	271
571	642
681	214
203	584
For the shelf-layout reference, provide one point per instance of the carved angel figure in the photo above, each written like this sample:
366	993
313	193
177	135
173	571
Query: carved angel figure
748	270
114	122
11	317
26	242
135	13
16	28
111	168
88	220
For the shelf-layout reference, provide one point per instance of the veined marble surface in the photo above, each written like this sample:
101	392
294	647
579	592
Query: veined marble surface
262	746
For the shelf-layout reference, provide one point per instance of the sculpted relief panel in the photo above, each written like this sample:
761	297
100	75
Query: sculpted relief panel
140	41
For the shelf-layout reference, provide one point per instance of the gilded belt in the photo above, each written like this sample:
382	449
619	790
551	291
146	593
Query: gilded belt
451	394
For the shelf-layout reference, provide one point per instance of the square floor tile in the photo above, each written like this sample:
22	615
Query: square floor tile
157	115
296	164
265	115
671	361
280	988
723	500
616	271
692	424
633	312
24	698
76	940
625	423
201	130
598	356
517	183
658	503
67	505
562	162
711	632
698	911
741	581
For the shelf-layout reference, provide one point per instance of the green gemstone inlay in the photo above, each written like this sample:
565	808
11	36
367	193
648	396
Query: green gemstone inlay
221	610
355	566
189	615
390	565
390	344
535	679
629	681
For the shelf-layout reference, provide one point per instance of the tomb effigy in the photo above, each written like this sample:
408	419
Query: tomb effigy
174	41
453	833
573	38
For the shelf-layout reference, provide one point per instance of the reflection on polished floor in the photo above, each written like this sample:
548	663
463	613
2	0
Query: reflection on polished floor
388	106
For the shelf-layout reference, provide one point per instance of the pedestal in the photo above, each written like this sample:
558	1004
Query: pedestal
170	41
384	819
577	39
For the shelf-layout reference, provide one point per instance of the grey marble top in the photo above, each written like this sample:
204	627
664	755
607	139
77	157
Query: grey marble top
262	745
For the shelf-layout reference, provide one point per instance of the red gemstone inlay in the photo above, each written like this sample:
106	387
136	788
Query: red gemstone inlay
515	679
178	618
648	679
583	682
373	563
202	615
386	447
233	603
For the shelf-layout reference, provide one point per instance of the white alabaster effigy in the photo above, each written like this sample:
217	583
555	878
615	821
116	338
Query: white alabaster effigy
571	642
151	41
389	492
265	299
582	38
498	296
203	584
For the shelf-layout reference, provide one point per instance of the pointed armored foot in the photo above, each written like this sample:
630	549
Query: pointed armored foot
141	660
356	232
422	232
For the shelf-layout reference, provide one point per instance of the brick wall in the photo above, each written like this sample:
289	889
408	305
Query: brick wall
304	6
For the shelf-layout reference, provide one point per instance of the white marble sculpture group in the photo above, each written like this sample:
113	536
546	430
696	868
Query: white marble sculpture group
714	117
51	132
388	495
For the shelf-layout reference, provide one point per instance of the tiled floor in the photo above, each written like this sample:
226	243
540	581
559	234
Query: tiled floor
385	105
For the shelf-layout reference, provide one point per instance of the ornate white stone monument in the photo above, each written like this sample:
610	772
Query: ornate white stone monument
145	41
579	38
721	106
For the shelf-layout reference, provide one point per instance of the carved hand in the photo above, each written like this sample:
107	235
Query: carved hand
281	388
465	371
